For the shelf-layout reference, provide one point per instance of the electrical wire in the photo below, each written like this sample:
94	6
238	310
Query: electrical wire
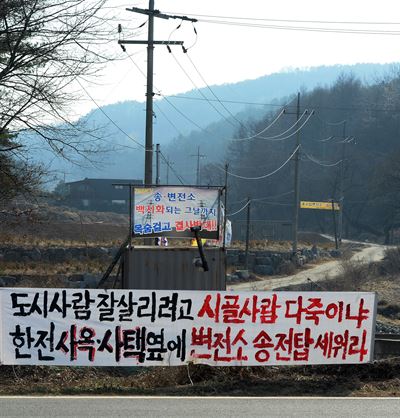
303	28
169	101
195	39
260	201
325	139
240	210
199	90
323	164
271	138
212	92
331	123
263	176
273	197
292	20
346	140
181	180
110	119
177	96
264	129
205	98
277	137
263	198
352	108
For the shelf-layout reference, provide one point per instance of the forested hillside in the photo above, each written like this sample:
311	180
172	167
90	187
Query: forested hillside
188	120
349	132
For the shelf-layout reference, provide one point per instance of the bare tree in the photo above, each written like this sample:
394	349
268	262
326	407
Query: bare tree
48	50
46	47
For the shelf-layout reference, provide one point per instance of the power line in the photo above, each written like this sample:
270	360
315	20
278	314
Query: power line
273	197
264	129
323	164
296	20
289	129
212	92
341	122
199	90
352	108
177	96
109	118
259	177
303	28
172	169
277	137
241	209
260	201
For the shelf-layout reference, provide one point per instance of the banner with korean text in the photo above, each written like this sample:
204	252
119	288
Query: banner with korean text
173	210
78	327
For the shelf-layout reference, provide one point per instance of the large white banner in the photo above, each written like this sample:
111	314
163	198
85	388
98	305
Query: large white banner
145	328
172	211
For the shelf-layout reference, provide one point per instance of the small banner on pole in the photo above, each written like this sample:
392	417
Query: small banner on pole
319	205
172	211
73	327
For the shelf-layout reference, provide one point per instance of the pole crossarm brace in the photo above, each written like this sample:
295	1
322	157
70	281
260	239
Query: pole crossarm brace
157	13
121	42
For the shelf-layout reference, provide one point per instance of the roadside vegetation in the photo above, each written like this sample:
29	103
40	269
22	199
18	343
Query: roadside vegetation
377	379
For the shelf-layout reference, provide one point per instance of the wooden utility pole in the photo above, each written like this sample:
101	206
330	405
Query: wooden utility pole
246	262
157	163
341	186
198	155
296	182
150	42
334	224
225	207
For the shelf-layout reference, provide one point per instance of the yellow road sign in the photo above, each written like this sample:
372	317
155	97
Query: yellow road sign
319	205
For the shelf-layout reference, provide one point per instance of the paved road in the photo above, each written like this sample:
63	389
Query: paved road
324	271
198	407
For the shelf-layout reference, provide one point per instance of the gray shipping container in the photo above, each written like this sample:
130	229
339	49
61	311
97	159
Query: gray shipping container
173	268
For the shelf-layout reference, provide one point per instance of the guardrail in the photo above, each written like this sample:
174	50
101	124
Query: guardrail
387	345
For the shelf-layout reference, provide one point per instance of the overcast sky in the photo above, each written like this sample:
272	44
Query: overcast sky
225	53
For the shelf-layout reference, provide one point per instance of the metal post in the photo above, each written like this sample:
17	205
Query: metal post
157	163
246	262
341	191
296	182
334	224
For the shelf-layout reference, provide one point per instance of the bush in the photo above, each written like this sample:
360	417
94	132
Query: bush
391	262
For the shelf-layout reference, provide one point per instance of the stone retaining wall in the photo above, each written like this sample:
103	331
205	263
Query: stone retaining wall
55	255
263	262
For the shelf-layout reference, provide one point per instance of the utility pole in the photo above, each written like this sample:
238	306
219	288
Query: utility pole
334	224
296	182
157	164
341	185
198	155
150	42
246	256
225	207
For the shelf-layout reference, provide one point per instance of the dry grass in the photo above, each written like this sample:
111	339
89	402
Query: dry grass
380	379
93	266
